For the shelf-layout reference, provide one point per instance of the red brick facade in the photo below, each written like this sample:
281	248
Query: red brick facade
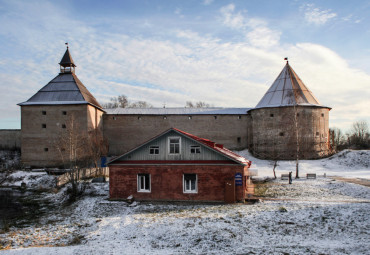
167	182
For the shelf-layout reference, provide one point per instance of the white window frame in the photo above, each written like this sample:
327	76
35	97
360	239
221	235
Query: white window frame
169	145
155	148
196	148
139	188
190	191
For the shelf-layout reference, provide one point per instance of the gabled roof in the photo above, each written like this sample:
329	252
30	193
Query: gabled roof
218	148
67	59
178	111
65	88
288	90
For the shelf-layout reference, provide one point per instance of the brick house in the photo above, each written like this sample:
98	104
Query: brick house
176	166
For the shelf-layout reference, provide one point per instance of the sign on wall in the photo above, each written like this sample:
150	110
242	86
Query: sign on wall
238	179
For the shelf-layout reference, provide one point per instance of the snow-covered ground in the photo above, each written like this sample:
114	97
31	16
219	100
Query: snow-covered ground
321	216
347	163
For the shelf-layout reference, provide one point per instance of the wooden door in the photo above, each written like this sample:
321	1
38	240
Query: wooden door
230	191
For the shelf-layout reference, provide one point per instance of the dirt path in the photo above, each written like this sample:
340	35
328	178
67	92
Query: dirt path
364	182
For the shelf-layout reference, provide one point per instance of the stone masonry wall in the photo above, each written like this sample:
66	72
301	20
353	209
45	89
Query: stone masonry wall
273	132
42	126
125	132
10	139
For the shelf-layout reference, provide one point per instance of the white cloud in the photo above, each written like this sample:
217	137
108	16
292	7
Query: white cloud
316	16
232	19
263	37
190	66
207	2
257	32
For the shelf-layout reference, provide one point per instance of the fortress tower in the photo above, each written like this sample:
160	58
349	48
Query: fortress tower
287	115
48	115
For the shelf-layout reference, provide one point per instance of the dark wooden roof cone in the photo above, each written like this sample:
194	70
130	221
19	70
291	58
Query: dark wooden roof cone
65	88
67	64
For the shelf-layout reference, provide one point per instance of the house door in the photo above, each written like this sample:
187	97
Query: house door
230	190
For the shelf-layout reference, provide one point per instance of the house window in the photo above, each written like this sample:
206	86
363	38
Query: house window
164	117
322	115
114	118
194	149
43	112
174	145
64	113
317	134
143	182
239	117
190	183
281	133
239	139
215	117
154	150
271	115
189	117
139	118
43	125
46	149
63	125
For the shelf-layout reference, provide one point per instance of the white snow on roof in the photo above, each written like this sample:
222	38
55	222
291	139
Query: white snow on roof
178	111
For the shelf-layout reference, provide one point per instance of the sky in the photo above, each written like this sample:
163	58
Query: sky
226	53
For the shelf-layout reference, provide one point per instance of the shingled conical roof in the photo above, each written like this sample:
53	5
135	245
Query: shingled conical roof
288	90
65	88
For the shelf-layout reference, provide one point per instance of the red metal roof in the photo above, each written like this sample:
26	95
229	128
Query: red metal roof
218	147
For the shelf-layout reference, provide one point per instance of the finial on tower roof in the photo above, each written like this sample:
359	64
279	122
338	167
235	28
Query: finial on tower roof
286	60
67	44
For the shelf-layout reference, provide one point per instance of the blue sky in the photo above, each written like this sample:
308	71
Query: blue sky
226	53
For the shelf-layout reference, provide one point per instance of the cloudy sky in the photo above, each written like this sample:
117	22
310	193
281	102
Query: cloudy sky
226	53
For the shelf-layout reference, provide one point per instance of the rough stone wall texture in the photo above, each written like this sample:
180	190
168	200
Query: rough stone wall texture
273	133
167	182
125	132
42	126
10	139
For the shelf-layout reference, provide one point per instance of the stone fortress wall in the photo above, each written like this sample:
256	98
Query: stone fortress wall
125	132
10	139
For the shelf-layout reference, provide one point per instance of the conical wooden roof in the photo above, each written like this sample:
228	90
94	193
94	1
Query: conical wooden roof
288	90
67	59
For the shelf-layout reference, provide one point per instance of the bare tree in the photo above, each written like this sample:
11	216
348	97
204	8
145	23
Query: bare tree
140	104
297	141
123	102
337	139
72	145
358	136
189	104
199	104
97	147
115	102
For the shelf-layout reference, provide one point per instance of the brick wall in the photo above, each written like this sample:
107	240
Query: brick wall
167	182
